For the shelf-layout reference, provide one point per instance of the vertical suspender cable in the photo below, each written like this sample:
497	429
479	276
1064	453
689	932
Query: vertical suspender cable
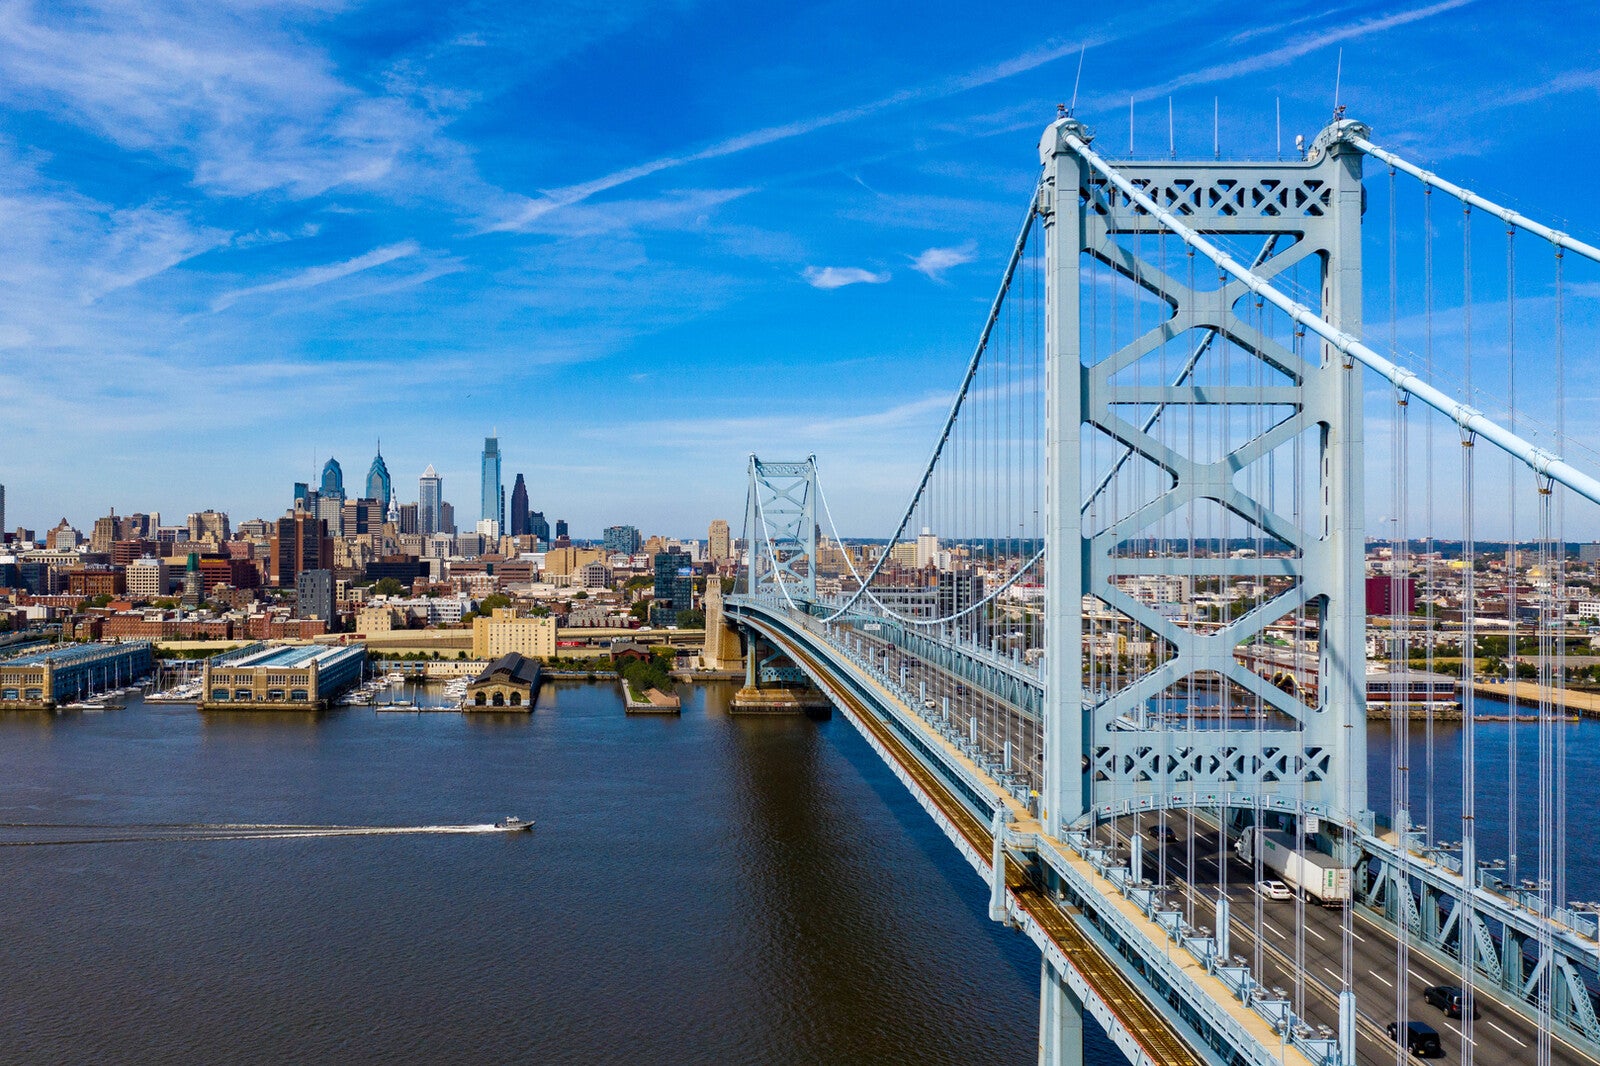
1511	560
1466	927
1433	547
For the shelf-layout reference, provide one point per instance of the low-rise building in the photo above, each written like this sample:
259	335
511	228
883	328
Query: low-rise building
510	683
147	578
505	632
46	678
281	676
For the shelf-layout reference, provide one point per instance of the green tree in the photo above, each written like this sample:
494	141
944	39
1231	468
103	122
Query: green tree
691	619
640	610
389	586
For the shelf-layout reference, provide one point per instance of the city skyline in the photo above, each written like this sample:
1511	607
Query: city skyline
420	230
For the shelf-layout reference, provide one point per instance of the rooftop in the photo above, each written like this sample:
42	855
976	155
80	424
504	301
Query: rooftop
290	656
58	656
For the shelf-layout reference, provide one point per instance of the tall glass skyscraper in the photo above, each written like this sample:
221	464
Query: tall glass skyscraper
430	498
491	480
519	508
378	485
332	479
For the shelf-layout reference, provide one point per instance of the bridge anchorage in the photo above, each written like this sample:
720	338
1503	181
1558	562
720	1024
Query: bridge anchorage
1117	645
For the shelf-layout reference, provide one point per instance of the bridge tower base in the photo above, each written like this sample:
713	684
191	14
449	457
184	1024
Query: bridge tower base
774	685
1060	1020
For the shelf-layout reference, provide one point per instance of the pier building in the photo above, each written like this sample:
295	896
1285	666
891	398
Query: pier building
281	677
47	678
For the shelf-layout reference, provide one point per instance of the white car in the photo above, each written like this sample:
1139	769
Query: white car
1274	890
930	705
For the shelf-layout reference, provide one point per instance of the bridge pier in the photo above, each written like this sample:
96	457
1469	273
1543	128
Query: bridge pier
1060	1020
774	685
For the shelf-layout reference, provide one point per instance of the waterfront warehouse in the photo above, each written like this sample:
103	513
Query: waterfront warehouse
281	677
510	683
47	678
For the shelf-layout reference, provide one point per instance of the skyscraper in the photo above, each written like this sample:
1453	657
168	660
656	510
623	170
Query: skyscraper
538	528
330	499
717	546
430	494
490	494
332	478
519	508
378	485
561	529
300	542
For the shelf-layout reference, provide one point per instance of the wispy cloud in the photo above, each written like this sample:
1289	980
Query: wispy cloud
311	277
839	277
532	210
935	261
1287	53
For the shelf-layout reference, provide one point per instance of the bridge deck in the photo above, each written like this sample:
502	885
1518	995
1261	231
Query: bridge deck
1154	1033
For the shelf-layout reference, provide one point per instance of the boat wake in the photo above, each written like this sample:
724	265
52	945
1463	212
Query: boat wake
172	832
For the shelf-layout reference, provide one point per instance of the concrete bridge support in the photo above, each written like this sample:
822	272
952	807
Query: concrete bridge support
721	651
1060	1020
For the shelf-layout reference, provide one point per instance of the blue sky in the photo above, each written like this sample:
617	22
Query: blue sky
641	240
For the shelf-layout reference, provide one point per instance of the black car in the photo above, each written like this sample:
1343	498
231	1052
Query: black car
1448	999
1419	1038
1163	833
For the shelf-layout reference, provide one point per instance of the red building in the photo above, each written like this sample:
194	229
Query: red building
1388	596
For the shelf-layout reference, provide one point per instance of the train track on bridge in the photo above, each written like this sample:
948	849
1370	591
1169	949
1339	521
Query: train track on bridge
1161	1042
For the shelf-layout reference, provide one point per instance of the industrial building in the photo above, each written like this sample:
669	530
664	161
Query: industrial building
47	678
281	676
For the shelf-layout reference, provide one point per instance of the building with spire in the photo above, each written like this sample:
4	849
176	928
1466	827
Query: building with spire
379	487
430	500
193	585
490	495
519	508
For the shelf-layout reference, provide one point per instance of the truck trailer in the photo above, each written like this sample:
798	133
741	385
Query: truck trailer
1317	876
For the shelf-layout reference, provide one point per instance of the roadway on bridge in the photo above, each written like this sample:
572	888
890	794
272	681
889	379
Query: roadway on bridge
1500	1035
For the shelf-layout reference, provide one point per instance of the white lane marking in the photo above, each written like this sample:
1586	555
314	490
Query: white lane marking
1508	1036
1358	936
1276	931
1333	975
1417	975
1380	977
1456	1031
1314	933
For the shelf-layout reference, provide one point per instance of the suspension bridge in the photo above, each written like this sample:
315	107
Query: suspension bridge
1121	625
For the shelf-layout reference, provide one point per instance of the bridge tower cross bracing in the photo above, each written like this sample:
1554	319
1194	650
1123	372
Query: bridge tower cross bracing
781	530
1103	754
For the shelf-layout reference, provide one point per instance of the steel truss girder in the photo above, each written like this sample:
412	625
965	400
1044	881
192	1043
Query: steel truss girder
1307	213
1164	978
1004	679
781	528
1428	890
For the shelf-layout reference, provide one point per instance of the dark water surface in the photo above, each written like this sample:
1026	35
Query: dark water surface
708	889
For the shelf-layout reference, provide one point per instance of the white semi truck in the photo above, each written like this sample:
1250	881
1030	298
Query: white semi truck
1317	875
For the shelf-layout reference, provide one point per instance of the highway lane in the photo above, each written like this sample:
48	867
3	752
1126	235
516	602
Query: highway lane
1500	1035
